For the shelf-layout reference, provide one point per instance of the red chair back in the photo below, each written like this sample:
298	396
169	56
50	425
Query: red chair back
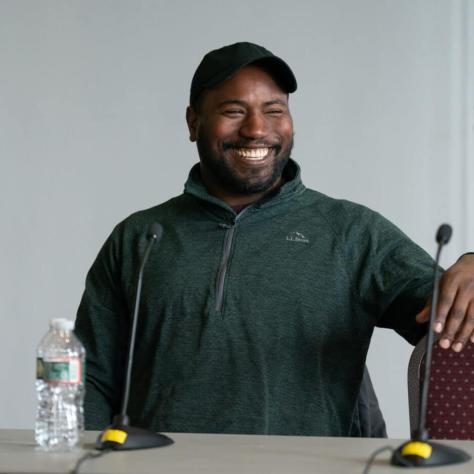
450	413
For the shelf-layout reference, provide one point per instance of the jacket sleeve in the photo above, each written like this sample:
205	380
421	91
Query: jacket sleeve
394	277
102	326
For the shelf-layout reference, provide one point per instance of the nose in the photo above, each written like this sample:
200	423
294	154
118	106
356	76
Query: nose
254	126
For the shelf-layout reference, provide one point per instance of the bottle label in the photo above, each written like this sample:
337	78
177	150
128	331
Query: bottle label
64	371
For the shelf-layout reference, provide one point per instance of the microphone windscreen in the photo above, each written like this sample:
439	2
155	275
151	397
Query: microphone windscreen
444	234
155	231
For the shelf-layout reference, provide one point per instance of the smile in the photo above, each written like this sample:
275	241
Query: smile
254	154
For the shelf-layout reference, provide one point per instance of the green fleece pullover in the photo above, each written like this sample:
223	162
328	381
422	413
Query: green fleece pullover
251	323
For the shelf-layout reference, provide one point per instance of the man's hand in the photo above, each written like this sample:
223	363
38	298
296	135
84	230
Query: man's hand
455	313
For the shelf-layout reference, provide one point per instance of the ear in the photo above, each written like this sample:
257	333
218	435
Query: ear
192	120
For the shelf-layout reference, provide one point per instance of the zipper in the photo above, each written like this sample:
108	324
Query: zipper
224	265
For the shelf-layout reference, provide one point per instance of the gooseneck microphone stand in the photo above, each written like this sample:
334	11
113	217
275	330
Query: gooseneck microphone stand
120	435
419	452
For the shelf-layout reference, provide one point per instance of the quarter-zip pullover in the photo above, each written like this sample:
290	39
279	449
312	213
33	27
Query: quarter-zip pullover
251	323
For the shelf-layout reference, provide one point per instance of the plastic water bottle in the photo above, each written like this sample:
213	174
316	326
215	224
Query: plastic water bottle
60	374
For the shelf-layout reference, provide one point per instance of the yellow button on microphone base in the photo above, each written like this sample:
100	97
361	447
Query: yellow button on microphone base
417	448
114	436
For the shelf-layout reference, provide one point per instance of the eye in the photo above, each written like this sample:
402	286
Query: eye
233	112
275	111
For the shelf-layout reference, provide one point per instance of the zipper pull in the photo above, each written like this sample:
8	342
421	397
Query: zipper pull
223	225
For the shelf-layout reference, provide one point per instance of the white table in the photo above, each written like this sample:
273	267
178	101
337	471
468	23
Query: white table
220	454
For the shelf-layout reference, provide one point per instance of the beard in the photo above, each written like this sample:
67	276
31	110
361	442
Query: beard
226	175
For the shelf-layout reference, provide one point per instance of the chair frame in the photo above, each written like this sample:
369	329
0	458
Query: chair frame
414	376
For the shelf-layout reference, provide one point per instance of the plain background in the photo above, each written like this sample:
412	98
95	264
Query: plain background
92	102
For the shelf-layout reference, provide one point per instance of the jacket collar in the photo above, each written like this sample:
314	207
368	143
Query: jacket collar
292	187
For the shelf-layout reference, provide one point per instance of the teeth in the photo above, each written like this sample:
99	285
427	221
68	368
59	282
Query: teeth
252	153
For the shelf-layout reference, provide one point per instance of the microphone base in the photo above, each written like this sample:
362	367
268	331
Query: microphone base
124	438
426	454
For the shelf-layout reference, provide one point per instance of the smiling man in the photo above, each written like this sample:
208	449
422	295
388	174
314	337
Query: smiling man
259	304
244	135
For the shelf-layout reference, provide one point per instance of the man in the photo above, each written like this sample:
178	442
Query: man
259	304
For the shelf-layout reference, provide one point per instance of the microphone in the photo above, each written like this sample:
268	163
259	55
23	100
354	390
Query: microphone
418	452
444	233
120	435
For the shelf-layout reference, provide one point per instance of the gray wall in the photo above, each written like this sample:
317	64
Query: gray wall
92	100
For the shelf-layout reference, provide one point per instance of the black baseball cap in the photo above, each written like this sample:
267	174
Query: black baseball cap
220	64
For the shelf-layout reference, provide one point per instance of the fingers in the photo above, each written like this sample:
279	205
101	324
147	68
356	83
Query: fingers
454	323
446	299
455	315
466	332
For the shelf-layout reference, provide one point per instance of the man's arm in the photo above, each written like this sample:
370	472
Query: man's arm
102	326
396	279
454	320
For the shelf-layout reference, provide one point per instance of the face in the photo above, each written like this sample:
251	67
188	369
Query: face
244	134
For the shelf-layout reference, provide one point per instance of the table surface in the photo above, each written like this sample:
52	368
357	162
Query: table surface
223	454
